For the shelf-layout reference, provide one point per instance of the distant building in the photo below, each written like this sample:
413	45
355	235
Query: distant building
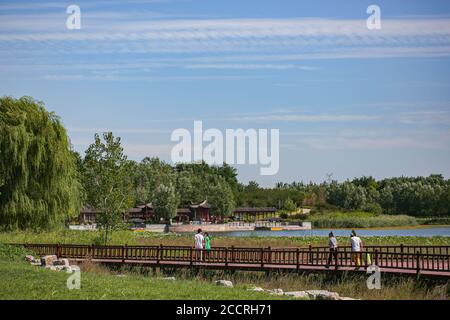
145	212
253	213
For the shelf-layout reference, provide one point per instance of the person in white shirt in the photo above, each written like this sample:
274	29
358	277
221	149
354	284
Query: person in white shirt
198	244
357	247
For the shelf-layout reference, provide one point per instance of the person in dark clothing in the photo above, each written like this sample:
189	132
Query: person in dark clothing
333	246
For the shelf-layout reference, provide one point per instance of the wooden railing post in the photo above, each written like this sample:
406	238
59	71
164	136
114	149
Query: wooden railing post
161	252
157	255
376	258
297	253
123	253
417	262
191	254
58	250
336	258
269	252
226	257
401	253
310	256
262	257
232	254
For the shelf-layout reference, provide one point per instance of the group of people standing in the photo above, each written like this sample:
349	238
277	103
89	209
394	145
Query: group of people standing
356	247
202	241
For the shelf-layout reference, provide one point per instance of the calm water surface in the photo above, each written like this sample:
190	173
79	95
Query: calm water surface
421	232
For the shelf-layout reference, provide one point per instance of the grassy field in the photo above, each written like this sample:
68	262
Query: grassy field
20	280
147	238
358	219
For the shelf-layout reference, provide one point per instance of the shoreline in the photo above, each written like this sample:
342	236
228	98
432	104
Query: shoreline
422	226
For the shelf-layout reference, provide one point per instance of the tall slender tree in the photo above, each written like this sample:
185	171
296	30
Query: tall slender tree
108	181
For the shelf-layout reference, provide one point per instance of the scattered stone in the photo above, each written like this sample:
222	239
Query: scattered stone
48	260
298	294
61	262
169	278
36	263
322	295
29	258
121	275
307	294
224	283
277	292
257	289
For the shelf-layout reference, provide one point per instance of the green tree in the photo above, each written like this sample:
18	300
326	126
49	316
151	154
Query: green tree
165	202
289	205
39	188
107	180
220	197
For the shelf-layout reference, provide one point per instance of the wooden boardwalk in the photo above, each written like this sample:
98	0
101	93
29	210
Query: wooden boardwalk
423	260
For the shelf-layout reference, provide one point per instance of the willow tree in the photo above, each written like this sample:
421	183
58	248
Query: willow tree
39	187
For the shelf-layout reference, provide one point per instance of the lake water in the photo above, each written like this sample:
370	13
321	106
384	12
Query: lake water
420	232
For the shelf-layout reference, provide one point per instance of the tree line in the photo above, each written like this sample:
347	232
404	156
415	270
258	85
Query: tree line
43	182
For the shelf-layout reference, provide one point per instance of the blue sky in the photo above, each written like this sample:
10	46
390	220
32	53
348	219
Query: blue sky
347	100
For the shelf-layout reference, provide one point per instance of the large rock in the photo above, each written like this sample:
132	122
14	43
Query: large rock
322	295
224	283
298	294
48	260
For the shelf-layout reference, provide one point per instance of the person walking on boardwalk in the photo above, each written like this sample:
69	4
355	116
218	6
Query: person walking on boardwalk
333	246
198	243
207	246
357	247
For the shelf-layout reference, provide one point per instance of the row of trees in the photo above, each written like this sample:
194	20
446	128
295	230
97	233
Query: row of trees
415	196
420	196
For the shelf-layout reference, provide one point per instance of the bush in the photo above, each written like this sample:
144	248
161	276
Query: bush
12	253
284	215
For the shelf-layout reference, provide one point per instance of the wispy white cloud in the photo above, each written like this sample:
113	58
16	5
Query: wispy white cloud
308	118
431	117
311	37
382	138
250	66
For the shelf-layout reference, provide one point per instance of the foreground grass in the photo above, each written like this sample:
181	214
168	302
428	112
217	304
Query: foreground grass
346	284
147	238
19	280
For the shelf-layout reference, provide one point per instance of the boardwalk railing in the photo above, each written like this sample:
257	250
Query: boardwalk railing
416	258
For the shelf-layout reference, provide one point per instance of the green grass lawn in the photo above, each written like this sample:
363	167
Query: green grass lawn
20	280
